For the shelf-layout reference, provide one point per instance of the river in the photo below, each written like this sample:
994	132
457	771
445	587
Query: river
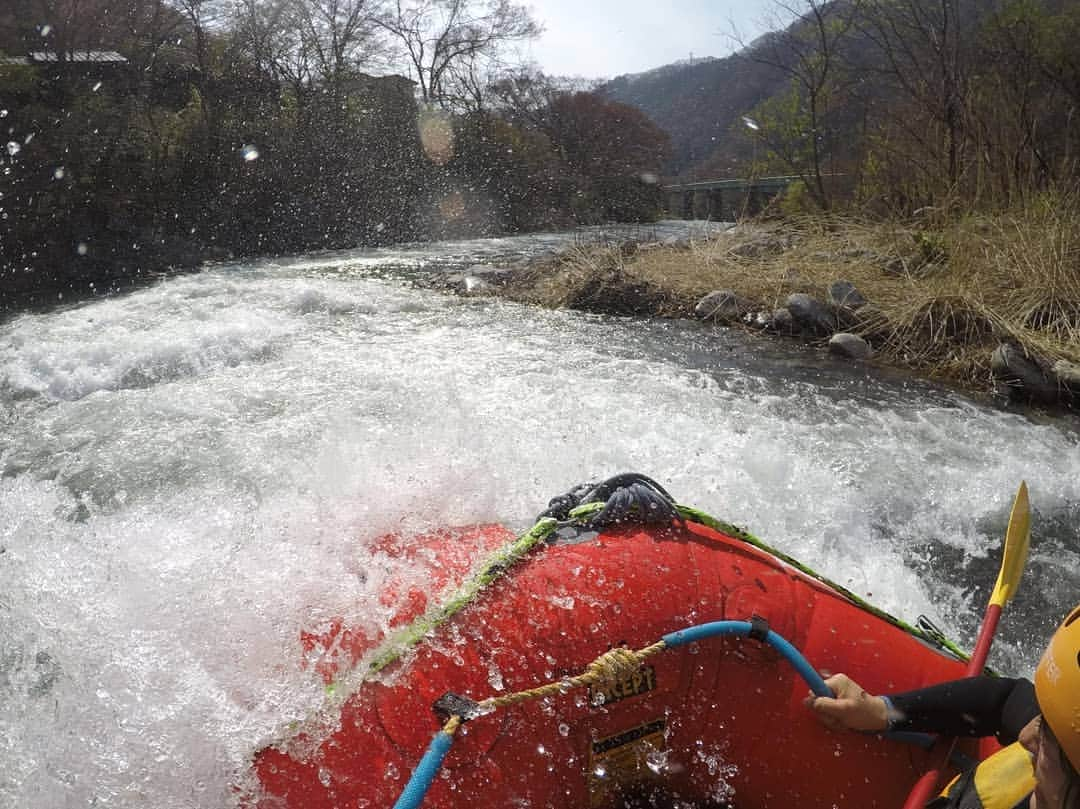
191	474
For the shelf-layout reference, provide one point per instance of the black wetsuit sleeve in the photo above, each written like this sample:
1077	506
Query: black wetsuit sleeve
976	706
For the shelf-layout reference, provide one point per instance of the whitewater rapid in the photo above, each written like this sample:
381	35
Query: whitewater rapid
191	475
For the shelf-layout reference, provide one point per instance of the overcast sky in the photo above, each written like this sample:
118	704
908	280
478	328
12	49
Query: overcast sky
605	38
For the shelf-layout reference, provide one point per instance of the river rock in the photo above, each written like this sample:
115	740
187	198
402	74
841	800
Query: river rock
810	314
844	295
782	322
852	346
1068	375
1022	376
459	284
723	306
761	247
492	275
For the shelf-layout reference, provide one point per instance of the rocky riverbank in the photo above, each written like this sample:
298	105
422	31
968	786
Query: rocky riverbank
954	305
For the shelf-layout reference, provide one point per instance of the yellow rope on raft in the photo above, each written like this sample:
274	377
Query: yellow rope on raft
610	667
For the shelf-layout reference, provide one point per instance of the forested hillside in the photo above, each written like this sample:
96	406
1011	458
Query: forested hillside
699	104
916	103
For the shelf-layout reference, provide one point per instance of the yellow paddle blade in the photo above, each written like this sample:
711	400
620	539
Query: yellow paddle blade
1014	557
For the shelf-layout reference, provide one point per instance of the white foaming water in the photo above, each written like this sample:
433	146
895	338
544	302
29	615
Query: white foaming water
192	475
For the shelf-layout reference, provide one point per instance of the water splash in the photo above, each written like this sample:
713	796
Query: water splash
171	457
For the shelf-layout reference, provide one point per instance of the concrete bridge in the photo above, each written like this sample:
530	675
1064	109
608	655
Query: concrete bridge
722	200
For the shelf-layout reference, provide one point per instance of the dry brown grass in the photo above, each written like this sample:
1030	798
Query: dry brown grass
942	299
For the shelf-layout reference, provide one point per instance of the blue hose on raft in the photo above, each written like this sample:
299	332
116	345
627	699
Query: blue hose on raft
425	772
790	653
428	768
794	657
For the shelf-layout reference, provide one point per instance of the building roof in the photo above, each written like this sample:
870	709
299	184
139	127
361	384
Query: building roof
81	57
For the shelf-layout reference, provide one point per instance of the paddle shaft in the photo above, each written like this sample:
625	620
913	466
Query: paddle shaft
1013	558
924	788
986	637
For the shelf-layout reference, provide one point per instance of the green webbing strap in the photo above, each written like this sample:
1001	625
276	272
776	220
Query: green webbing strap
701	517
583	512
395	646
498	563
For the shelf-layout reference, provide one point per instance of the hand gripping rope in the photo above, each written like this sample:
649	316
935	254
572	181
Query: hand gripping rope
610	667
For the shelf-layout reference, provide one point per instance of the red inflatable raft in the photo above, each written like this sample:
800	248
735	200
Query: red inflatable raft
717	722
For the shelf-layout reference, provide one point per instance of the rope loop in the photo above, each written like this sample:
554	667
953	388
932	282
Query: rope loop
613	666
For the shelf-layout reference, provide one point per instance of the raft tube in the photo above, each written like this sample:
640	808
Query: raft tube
715	722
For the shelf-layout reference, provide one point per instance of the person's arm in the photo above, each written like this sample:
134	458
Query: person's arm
977	706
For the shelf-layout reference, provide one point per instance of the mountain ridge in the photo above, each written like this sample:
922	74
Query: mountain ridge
701	105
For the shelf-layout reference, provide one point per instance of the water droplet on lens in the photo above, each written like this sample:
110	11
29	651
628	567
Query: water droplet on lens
656	760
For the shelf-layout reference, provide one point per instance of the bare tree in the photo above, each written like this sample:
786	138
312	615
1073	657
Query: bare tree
339	34
442	39
525	94
201	17
468	83
304	42
809	52
266	34
924	52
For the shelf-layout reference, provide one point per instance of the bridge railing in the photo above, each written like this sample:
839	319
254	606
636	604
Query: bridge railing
773	184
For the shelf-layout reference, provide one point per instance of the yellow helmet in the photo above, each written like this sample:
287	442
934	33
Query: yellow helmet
1057	686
